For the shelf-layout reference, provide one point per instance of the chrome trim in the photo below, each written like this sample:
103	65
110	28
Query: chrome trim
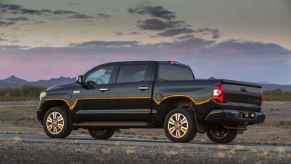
115	111
103	89
143	88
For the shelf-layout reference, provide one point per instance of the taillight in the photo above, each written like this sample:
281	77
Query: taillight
218	93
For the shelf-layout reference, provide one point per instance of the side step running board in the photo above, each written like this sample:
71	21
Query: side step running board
118	124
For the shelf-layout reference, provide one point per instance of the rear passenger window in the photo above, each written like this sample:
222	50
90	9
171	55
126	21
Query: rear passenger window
171	72
132	73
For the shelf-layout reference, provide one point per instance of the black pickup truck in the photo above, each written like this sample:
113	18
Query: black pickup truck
150	94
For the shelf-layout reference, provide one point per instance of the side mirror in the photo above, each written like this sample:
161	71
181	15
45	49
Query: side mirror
80	79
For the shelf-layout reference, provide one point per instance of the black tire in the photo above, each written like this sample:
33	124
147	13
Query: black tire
67	124
221	135
191	131
101	134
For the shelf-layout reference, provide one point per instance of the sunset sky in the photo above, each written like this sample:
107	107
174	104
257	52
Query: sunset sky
247	40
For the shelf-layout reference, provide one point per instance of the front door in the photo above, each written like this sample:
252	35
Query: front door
95	99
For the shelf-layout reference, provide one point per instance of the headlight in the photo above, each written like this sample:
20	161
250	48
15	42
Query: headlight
42	95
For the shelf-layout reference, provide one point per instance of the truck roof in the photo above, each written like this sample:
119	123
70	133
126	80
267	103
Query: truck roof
149	61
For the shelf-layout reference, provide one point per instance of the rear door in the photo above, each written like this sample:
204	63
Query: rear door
132	90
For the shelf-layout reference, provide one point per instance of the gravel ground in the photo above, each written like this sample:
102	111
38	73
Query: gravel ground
123	153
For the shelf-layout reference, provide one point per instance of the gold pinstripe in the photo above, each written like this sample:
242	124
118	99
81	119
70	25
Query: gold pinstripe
72	103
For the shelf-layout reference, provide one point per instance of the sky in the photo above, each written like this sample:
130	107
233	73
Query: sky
247	40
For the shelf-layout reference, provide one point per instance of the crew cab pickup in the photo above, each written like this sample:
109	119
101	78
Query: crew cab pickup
150	94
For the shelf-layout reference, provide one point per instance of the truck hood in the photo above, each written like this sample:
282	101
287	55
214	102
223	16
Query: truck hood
69	86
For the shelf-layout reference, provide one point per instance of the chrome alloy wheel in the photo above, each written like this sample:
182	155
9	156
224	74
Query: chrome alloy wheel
55	123
178	125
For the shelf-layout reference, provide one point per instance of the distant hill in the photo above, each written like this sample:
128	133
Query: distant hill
14	82
268	87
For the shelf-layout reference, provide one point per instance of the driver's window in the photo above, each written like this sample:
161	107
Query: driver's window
100	76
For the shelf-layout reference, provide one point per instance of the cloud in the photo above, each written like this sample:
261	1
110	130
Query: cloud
160	19
9	7
165	22
231	59
175	31
207	58
103	15
80	16
119	33
233	47
186	37
13	9
187	44
17	19
2	37
6	23
215	33
127	33
155	24
135	47
106	44
63	12
18	9
153	11
15	48
134	33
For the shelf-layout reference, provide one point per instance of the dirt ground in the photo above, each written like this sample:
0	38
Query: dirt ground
19	117
114	152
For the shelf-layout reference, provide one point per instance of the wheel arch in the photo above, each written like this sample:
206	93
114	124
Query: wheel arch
171	103
49	104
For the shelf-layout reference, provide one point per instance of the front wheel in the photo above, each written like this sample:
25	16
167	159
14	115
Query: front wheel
179	125
101	134
57	122
221	135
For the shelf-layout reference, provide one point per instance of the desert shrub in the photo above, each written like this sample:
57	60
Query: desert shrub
277	95
20	93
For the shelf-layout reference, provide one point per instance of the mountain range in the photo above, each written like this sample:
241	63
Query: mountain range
14	82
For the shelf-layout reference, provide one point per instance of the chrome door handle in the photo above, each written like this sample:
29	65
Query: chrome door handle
142	88
103	89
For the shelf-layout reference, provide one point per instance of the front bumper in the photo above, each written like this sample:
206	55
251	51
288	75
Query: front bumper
38	115
234	117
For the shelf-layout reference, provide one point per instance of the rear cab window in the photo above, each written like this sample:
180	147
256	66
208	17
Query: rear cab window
174	72
131	73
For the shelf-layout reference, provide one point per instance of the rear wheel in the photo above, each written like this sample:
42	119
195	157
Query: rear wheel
101	134
57	123
179	125
219	134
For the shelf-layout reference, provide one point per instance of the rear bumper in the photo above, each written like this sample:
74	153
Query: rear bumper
234	117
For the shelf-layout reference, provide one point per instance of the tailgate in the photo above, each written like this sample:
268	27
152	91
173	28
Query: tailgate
242	92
